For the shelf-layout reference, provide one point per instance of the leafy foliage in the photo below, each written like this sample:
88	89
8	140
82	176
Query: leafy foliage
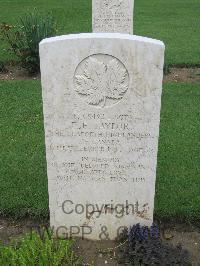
144	248
2	67
24	38
166	69
34	250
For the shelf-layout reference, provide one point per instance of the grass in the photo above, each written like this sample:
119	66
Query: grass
178	173
176	22
22	163
23	168
34	249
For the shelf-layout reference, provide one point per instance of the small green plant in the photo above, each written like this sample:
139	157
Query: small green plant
33	250
166	69
23	39
2	67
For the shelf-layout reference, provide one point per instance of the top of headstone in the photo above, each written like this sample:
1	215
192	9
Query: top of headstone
102	36
112	16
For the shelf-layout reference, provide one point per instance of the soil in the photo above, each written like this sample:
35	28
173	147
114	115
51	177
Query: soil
104	252
183	75
176	74
15	72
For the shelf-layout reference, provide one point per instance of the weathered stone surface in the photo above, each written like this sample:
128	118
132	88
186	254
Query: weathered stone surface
102	97
112	16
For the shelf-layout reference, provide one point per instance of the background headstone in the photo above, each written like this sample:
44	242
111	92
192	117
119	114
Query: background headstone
112	16
102	98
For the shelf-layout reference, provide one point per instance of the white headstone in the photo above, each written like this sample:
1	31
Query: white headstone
102	98
112	16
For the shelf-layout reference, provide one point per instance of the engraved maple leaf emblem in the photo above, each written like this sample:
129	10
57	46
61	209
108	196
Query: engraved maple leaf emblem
113	3
101	81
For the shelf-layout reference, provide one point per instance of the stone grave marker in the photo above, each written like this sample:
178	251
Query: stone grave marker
101	102
112	16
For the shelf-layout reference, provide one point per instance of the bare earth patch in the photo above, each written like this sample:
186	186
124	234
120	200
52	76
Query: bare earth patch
17	73
183	75
104	252
175	75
